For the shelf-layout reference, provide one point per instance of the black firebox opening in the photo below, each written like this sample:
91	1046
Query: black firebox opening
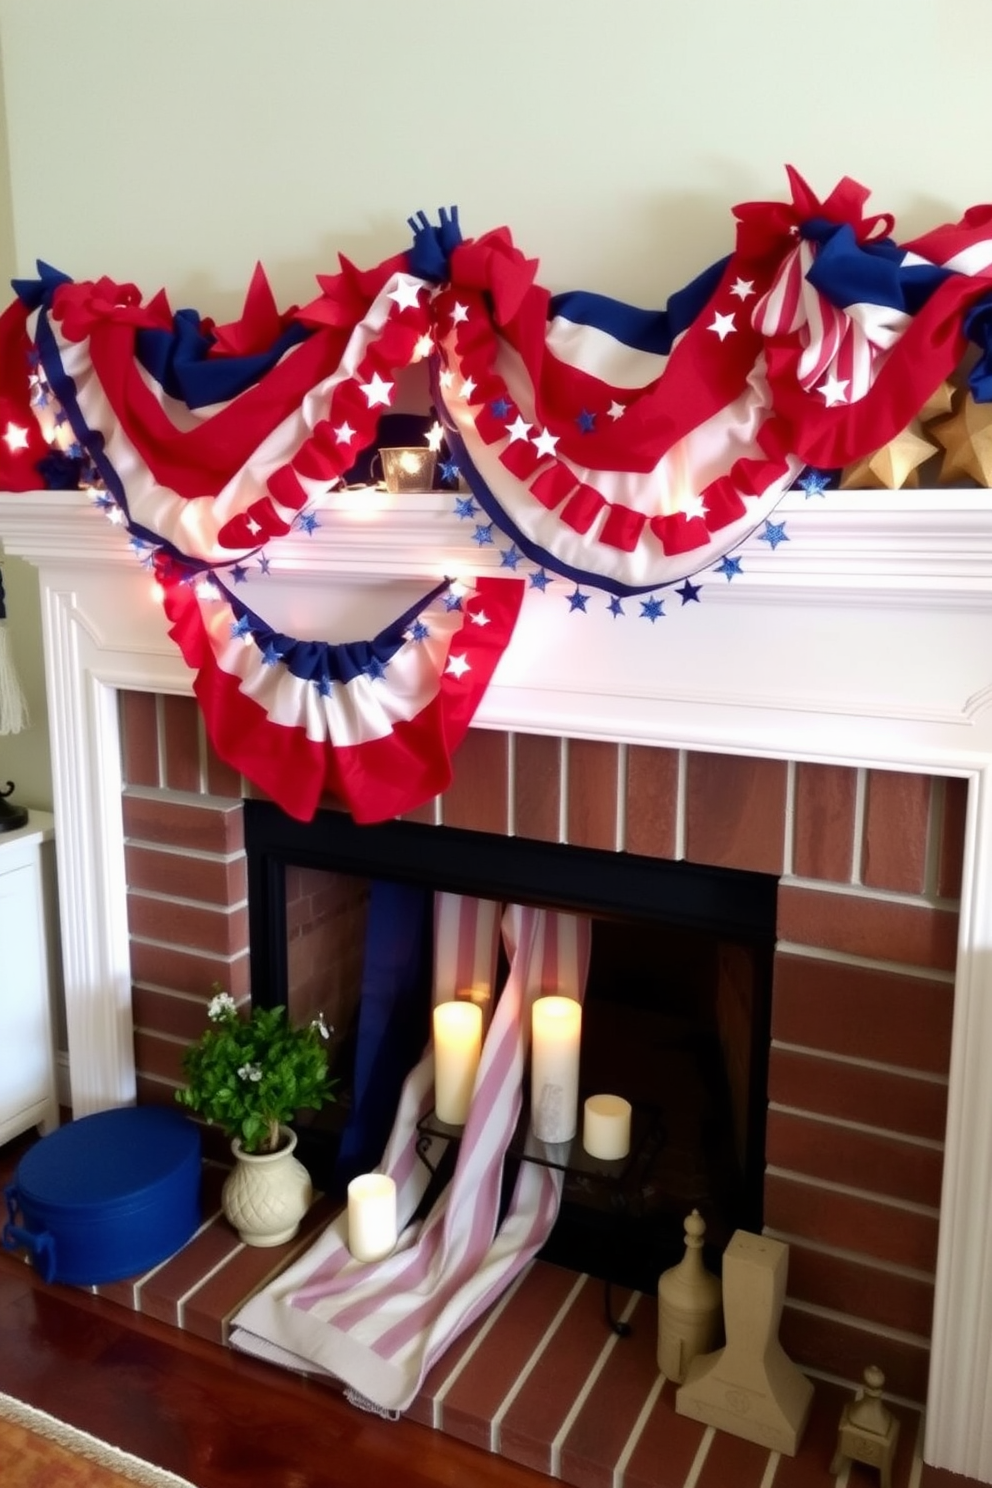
677	1010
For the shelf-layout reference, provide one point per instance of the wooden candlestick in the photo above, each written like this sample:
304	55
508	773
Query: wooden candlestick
689	1306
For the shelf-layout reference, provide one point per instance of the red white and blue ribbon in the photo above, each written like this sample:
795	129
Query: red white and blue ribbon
633	450
624	448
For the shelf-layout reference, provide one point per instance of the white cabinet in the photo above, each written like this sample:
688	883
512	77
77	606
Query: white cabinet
27	1044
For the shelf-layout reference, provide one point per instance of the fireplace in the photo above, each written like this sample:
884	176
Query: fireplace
676	1016
790	725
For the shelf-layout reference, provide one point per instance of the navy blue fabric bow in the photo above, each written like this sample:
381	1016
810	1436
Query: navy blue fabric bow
36	292
180	360
978	328
433	246
847	272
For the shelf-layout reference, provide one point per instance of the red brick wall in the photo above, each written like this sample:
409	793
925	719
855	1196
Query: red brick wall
863	991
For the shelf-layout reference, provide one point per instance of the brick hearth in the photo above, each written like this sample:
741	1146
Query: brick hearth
863	987
539	1379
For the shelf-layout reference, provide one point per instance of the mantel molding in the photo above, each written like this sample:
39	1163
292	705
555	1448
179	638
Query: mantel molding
925	543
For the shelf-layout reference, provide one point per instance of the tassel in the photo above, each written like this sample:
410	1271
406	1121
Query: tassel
13	707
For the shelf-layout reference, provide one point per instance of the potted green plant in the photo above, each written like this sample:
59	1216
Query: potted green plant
250	1074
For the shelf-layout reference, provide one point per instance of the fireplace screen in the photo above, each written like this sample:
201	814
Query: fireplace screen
676	1013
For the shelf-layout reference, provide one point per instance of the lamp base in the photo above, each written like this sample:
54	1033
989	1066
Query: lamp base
11	816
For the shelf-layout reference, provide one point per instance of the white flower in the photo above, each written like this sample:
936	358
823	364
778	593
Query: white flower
220	1006
252	1072
321	1026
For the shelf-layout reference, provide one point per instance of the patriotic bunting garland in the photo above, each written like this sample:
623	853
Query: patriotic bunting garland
624	448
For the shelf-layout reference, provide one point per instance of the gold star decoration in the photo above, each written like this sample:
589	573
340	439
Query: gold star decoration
893	466
966	439
898	464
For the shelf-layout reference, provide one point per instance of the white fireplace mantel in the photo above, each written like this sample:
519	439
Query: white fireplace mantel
864	639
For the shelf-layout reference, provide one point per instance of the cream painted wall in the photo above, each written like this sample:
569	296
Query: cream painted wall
25	758
174	143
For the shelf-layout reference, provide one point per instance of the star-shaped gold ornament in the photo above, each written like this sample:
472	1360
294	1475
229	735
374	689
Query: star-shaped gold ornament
893	466
966	439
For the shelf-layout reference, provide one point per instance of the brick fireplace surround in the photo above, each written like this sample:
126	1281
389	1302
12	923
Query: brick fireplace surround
844	760
859	1057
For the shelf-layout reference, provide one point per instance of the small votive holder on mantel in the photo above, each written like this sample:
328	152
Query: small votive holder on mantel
371	1216
408	470
606	1127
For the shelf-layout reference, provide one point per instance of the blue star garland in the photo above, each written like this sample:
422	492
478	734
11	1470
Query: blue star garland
774	534
813	482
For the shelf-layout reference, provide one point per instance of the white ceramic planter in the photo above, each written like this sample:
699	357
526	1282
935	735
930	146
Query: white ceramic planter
266	1194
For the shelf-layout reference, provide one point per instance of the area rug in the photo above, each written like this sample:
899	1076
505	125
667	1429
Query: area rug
38	1451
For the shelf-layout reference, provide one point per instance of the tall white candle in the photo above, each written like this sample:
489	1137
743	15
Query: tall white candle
556	1027
371	1216
457	1051
606	1127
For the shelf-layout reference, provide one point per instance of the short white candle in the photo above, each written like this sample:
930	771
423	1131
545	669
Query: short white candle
606	1127
457	1051
371	1216
556	1026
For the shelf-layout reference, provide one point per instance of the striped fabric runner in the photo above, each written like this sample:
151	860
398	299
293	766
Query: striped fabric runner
380	1326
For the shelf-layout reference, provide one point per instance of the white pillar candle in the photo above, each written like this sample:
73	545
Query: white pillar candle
457	1051
606	1127
371	1216
556	1027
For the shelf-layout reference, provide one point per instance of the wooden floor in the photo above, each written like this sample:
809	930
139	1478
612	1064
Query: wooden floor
221	1418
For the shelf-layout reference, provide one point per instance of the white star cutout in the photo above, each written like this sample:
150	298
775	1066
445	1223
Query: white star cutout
446	378
435	437
694	506
479	617
834	390
344	433
518	429
468	388
723	325
742	288
616	410
457	666
423	348
15	437
377	392
545	443
405	294
253	527
459	313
